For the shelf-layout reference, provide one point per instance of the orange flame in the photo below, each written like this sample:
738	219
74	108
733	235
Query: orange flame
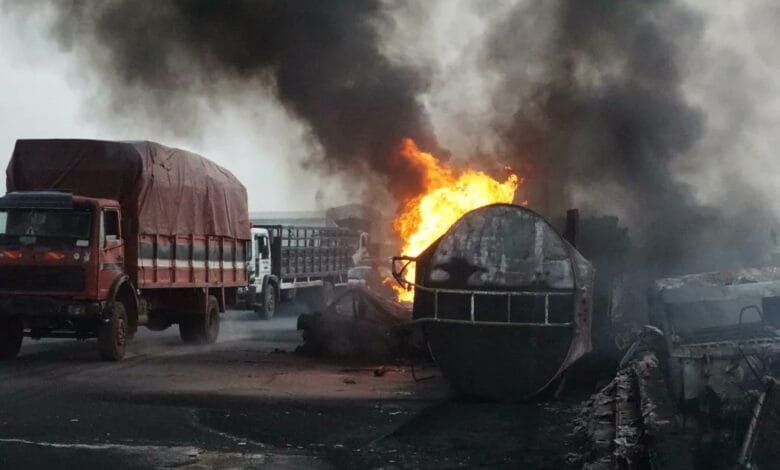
448	195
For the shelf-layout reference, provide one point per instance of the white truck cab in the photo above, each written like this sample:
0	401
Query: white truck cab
260	265
288	259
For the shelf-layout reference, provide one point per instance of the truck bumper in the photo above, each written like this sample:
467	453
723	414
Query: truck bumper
53	317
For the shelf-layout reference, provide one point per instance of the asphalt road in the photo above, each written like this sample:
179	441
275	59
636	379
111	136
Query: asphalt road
250	402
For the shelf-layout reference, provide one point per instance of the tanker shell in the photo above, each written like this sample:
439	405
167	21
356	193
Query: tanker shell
505	303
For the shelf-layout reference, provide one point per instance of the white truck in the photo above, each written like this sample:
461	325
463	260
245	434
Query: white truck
287	260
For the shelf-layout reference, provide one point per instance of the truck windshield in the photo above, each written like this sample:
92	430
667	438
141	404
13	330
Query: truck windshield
45	223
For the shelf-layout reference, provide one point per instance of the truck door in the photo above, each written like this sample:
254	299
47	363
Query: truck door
112	257
263	258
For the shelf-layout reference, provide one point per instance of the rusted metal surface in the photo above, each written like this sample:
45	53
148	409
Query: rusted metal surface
505	302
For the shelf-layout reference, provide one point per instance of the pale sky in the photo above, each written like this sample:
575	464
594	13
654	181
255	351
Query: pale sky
44	95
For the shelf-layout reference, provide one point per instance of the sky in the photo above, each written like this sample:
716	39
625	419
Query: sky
43	94
734	78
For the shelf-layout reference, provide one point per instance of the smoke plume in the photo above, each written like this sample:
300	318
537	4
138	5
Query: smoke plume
588	100
601	121
322	60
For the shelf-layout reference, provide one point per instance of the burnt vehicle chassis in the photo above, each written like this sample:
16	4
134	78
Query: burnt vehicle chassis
720	348
696	389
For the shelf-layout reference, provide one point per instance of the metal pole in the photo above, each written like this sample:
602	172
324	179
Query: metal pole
748	444
546	309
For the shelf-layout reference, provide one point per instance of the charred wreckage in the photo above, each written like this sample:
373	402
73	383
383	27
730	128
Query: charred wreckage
506	308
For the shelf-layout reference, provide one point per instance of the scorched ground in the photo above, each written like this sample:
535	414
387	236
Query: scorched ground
249	401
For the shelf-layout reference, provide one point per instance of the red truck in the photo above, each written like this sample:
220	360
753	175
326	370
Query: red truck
98	238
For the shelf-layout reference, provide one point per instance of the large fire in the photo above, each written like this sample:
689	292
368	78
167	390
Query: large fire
448	194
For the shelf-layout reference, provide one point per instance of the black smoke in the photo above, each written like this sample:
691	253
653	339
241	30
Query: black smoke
608	119
321	58
600	115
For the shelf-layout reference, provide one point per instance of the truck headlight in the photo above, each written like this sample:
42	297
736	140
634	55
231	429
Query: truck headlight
76	310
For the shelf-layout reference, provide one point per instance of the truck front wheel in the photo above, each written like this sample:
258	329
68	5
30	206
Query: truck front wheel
269	302
201	328
11	334
113	334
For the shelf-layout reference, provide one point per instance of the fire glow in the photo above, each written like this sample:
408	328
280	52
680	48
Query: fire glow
448	194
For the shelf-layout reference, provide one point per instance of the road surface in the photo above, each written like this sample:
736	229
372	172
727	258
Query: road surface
250	402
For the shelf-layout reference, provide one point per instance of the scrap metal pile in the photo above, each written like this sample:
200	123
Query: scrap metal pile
632	421
697	388
358	323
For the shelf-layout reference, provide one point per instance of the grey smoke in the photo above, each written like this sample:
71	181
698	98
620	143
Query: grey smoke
606	120
322	60
590	104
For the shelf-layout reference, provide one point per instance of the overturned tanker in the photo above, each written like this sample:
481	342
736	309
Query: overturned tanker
504	302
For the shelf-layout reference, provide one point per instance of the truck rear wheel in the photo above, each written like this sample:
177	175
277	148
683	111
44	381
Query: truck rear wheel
201	328
113	334
269	303
11	334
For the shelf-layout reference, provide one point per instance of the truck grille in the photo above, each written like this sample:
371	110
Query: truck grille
42	278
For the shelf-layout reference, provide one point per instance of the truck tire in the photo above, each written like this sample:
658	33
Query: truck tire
268	309
113	334
201	328
11	334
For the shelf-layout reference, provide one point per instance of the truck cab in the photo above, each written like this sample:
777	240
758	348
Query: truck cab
264	290
721	333
260	265
60	256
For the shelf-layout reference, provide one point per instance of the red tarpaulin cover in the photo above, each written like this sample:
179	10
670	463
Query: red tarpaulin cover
165	191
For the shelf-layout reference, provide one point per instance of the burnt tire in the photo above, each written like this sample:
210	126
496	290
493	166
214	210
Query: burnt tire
11	334
201	328
113	334
268	309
